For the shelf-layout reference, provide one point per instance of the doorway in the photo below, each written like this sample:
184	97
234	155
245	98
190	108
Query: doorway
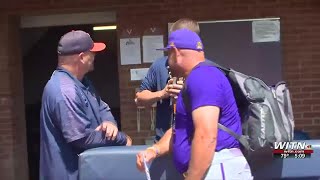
39	49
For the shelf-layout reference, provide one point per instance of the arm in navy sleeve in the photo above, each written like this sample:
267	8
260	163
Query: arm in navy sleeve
105	112
98	139
148	92
71	119
150	81
104	109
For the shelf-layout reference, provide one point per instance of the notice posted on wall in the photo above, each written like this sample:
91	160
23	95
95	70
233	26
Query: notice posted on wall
265	31
130	51
150	45
138	74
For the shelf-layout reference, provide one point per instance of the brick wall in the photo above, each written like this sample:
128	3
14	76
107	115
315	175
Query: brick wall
300	43
13	161
300	27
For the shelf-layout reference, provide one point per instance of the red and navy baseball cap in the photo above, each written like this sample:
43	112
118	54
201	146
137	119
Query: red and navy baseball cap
76	42
184	39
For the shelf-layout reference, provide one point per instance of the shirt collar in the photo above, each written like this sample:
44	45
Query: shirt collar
83	84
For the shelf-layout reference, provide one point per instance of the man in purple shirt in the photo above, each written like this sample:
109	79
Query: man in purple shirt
200	150
73	117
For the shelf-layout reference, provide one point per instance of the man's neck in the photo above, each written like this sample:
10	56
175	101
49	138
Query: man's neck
73	71
193	63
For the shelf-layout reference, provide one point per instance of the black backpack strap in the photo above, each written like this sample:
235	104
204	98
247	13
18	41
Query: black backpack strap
224	70
218	66
241	138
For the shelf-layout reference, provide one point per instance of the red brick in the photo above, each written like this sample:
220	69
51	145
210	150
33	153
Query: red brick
293	68
294	89
301	95
303	122
316	121
306	82
311	88
311	114
142	133
138	141
311	101
302	108
297	101
310	74
300	27
297	115
315	107
316	94
292	75
311	128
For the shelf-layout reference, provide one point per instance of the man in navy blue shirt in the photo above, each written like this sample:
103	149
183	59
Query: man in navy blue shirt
73	117
157	86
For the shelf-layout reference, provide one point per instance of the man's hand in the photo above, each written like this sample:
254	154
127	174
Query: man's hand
129	141
109	128
149	155
159	149
172	90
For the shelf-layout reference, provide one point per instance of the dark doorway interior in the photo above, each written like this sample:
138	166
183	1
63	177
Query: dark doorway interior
40	60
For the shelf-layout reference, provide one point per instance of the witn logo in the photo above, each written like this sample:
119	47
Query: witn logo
292	145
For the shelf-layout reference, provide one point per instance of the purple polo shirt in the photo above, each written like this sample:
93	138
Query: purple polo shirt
206	86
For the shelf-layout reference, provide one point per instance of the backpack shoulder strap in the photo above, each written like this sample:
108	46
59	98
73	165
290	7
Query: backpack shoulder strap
211	63
217	65
241	138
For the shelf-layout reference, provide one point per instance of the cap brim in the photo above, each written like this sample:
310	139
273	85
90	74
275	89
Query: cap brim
97	47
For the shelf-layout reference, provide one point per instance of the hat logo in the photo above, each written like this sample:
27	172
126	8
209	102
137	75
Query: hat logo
199	45
172	44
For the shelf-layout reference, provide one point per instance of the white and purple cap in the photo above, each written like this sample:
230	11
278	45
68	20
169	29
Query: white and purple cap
184	39
76	42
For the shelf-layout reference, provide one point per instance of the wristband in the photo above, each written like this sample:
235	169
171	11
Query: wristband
156	150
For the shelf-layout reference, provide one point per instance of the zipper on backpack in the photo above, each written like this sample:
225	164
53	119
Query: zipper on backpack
274	93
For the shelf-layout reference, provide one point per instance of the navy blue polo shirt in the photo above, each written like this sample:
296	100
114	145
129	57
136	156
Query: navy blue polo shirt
71	110
155	80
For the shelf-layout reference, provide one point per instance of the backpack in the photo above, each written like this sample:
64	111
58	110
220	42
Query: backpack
265	111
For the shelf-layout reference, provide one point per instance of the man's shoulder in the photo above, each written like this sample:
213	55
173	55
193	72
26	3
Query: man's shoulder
160	62
206	69
208	60
204	75
59	86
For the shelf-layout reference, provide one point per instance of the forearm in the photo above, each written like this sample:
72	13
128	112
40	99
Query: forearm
105	113
98	139
165	143
113	121
202	152
146	97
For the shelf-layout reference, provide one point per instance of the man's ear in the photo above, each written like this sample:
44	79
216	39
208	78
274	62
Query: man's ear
176	51
177	54
81	57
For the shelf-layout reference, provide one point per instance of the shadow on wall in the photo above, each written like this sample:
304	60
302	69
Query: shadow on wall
301	135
